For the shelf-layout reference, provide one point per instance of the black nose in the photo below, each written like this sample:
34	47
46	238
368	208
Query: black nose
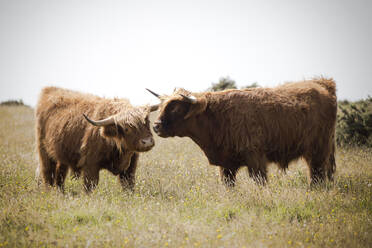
156	126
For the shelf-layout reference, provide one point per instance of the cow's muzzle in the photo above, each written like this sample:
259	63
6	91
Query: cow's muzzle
147	143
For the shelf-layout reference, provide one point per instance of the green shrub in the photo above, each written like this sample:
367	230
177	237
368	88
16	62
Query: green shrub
354	123
13	103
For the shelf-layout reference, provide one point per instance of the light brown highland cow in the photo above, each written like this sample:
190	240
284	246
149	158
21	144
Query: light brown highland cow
254	127
66	140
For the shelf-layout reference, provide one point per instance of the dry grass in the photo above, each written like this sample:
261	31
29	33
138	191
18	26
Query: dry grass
179	202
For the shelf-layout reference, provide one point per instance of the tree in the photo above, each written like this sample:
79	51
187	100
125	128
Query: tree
253	85
223	84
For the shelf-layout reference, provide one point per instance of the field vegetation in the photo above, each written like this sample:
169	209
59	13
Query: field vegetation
354	125
179	201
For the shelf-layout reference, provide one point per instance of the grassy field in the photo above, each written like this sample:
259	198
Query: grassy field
179	201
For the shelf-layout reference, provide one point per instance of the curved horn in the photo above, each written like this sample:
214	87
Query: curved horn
190	99
108	121
157	95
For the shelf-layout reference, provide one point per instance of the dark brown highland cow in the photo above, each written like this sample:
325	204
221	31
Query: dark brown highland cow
254	127
65	139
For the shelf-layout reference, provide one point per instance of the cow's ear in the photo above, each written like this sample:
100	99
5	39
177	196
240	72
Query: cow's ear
197	107
110	131
153	108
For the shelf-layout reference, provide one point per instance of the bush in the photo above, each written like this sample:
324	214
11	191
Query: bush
13	103
354	123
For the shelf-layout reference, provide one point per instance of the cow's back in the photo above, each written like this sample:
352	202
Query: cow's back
281	122
60	126
304	120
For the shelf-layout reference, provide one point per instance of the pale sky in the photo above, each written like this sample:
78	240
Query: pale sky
119	48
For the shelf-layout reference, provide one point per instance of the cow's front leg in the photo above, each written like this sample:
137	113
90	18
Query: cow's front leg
61	172
127	178
228	175
91	177
259	174
257	167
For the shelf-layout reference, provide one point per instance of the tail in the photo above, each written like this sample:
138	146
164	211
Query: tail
332	163
328	83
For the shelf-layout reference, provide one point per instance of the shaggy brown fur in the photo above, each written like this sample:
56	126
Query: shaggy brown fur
253	127
66	140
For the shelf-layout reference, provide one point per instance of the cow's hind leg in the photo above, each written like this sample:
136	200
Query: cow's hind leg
91	177
228	175
61	173
317	169
127	178
47	167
